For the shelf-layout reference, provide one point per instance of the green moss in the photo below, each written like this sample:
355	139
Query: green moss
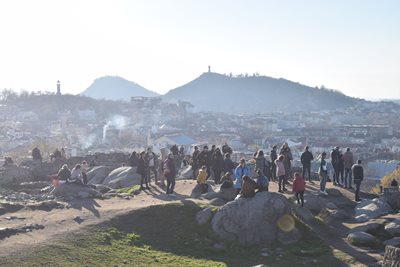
168	236
128	190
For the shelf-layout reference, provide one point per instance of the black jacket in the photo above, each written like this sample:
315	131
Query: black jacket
358	172
306	158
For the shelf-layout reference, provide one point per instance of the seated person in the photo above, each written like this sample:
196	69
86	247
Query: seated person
202	179
64	173
76	175
248	187
262	181
394	183
226	181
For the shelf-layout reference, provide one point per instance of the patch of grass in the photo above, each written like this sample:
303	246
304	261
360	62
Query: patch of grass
169	236
128	190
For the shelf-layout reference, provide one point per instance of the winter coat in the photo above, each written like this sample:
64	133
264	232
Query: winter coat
202	177
170	166
142	167
280	168
64	174
76	175
229	166
358	172
262	164
273	155
323	167
306	158
203	159
262	183
194	158
348	159
218	161
299	185
239	173
133	160
248	189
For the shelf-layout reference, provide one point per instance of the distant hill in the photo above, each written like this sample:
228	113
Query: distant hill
116	88
216	92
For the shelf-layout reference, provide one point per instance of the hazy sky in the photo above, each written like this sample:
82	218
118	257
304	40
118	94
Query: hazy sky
350	45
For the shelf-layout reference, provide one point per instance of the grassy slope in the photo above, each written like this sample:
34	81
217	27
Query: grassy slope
168	236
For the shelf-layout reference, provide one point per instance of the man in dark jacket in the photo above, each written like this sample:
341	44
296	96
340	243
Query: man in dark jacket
335	164
133	159
273	156
204	159
358	176
306	158
195	154
169	172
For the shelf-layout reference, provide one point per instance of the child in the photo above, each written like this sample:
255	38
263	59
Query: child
202	179
299	188
226	181
248	187
262	181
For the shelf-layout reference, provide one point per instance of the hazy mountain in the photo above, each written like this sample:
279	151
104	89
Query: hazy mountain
216	92
115	88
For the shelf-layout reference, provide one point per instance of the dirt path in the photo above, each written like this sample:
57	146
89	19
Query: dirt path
59	223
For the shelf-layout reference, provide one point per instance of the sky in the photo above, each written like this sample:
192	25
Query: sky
349	45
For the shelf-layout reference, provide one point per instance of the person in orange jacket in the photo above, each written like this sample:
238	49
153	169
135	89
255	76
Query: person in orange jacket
299	186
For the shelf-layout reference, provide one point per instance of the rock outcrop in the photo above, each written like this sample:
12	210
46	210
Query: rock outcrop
75	191
362	239
393	228
262	219
122	177
13	175
98	174
371	209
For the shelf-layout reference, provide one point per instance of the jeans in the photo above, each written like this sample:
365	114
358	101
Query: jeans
170	185
301	194
323	178
144	180
347	177
357	193
336	174
308	168
282	182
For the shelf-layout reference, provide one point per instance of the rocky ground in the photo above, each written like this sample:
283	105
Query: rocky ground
36	217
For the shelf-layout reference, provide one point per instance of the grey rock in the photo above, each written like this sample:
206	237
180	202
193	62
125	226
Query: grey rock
241	219
219	246
333	192
73	191
217	202
392	257
185	173
288	238
371	209
370	228
102	188
394	242
362	239
331	206
393	199
13	175
204	216
196	191
98	174
314	203
83	194
393	228
303	213
332	216
122	177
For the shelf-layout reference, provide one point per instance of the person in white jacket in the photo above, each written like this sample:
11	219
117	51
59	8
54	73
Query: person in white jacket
76	175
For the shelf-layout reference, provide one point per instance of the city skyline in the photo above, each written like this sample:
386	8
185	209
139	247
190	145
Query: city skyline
161	45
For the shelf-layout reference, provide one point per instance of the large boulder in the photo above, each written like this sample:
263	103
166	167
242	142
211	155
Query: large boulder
197	191
314	203
362	239
13	175
227	194
260	219
122	177
393	227
74	191
185	173
333	216
394	242
204	216
393	199
43	170
97	174
370	228
371	209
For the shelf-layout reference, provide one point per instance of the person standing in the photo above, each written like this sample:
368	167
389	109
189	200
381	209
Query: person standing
229	166
217	165
335	164
262	164
323	174
241	170
202	179
203	159
358	175
341	169
281	173
142	170
169	171
306	158
196	152
273	156
285	151
299	186
133	159
152	163
348	161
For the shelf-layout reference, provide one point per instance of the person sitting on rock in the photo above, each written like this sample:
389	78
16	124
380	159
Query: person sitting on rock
36	154
76	175
299	188
262	181
248	187
64	173
394	183
226	181
202	179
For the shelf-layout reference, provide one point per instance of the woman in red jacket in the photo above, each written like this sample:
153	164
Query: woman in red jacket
299	186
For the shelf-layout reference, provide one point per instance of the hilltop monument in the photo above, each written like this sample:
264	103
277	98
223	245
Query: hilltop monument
58	88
